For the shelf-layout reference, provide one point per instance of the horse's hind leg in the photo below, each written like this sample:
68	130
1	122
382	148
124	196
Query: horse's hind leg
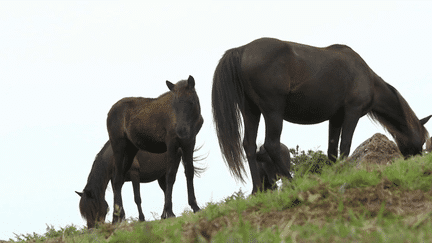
251	117
137	195
162	185
189	172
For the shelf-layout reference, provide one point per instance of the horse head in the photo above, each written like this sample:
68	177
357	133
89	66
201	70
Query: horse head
414	145
186	107
93	208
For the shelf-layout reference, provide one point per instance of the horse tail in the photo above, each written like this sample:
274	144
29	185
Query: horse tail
227	100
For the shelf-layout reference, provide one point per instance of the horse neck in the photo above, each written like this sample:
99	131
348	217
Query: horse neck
393	112
100	175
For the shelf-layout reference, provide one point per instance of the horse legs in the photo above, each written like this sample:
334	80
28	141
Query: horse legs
137	195
335	126
273	123
162	185
170	179
124	153
251	117
189	172
349	124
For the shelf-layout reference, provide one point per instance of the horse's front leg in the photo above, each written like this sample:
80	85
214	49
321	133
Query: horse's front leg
350	122
189	172
170	179
335	126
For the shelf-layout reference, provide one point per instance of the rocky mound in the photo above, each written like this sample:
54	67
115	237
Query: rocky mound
378	149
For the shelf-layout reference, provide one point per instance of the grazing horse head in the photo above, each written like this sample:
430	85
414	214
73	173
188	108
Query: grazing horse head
186	106
93	208
92	205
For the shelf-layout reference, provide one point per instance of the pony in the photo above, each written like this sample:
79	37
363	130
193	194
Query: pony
146	167
267	169
302	84
156	125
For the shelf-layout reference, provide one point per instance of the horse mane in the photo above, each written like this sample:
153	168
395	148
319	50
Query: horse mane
411	122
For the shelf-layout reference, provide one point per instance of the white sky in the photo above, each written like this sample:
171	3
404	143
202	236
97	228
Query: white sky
63	64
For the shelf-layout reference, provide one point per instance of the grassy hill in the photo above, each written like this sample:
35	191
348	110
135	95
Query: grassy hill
346	202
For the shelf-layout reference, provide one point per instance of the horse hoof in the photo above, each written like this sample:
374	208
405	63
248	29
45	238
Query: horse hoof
197	209
166	215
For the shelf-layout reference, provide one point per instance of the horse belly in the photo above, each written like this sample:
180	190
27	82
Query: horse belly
308	109
152	166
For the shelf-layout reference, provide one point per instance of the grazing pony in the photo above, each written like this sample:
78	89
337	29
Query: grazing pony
305	85
267	169
146	167
161	125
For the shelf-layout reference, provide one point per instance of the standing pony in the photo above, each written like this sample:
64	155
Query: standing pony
305	85
159	125
146	167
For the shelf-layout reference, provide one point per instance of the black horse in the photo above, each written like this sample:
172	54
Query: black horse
305	85
146	167
159	125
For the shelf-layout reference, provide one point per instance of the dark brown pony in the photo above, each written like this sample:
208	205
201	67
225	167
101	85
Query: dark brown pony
267	169
305	85
146	167
159	125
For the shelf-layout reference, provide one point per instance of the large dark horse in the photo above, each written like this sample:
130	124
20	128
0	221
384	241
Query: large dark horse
159	125
305	85
146	167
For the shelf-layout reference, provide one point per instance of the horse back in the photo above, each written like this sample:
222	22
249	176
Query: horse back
299	78
143	121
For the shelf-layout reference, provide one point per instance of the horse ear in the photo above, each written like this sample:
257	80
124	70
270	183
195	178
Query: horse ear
424	120
191	81
79	193
170	85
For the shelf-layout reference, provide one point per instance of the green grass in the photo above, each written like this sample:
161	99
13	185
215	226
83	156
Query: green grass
340	203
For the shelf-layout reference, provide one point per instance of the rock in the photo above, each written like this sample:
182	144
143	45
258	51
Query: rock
378	149
429	145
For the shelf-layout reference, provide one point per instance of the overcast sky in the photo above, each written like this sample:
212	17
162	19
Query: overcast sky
63	64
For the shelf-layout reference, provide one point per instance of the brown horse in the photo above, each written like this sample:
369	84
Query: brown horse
159	125
146	167
305	85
